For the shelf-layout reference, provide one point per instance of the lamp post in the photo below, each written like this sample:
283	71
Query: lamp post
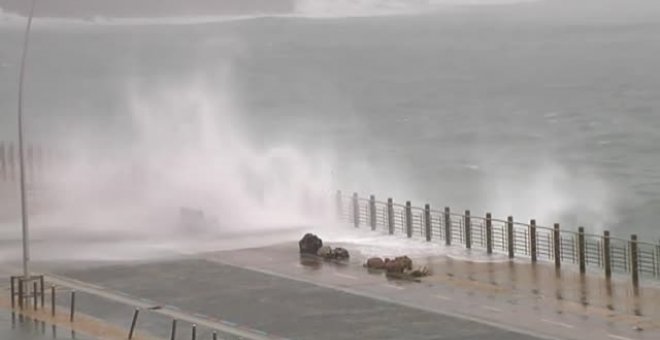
21	148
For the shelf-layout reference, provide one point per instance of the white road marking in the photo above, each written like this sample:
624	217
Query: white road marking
618	337
442	297
346	276
558	323
393	286
171	313
493	309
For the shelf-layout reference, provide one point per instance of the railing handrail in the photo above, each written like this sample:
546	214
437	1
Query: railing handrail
507	236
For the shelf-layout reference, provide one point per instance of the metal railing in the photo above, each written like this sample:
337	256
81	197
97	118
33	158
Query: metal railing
516	239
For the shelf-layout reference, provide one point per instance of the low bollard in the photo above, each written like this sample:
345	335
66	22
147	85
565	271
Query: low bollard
194	332
43	292
20	293
35	295
73	306
13	292
215	335
173	332
133	323
52	300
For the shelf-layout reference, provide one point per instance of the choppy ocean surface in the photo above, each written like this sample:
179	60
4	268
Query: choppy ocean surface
536	110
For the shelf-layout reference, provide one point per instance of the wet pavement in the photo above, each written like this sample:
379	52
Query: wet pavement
283	307
271	292
531	298
16	327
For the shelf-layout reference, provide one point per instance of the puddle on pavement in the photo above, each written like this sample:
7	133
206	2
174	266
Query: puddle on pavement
16	327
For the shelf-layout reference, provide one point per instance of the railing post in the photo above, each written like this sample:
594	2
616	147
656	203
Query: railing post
468	229
338	204
557	245
634	264
133	323
447	226
35	295
408	219
372	211
52	300
20	293
13	291
427	222
489	233
173	331
43	292
73	306
581	251
607	262
390	216
356	210
510	237
532	240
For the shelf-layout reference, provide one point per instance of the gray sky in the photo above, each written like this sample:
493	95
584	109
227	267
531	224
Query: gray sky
146	8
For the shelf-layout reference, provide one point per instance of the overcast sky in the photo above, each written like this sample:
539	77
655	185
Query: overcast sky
144	8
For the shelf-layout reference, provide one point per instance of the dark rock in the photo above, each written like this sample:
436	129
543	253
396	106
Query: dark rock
405	261
340	253
375	263
310	244
398	265
393	266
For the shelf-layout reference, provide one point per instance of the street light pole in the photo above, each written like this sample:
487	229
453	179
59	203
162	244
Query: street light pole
21	148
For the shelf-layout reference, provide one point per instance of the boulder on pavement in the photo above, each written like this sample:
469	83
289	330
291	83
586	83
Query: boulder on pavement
375	263
405	261
398	265
340	253
392	266
310	244
325	252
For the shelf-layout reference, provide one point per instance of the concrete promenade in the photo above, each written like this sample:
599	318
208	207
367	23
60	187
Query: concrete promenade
271	292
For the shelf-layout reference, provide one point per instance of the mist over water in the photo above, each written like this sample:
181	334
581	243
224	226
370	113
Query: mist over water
188	150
